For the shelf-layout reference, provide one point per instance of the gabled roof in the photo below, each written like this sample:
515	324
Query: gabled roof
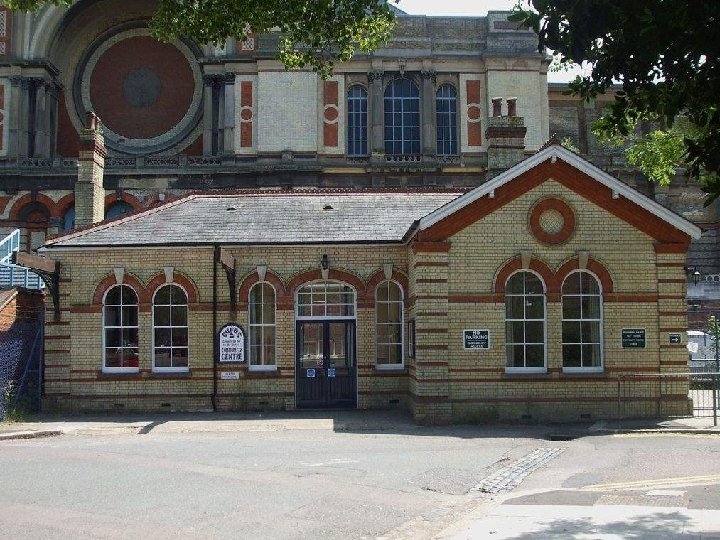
261	218
552	154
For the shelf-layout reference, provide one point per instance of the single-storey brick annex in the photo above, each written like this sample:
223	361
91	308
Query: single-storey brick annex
522	298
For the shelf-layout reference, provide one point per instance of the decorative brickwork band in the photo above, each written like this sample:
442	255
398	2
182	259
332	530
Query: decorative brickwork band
474	126
330	113
246	114
5	31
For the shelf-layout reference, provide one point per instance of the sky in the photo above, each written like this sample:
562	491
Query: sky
472	8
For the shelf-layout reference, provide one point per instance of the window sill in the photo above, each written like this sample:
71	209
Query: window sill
119	375
262	372
170	374
587	372
390	370
262	369
526	373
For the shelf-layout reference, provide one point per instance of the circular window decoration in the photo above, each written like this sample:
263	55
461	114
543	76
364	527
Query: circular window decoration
552	221
147	93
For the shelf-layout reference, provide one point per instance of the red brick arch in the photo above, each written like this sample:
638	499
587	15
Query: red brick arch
109	281
593	266
26	199
64	204
378	277
536	265
333	274
180	279
281	297
129	198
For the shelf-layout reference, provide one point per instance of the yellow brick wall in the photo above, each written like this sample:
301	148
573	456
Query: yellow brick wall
74	365
480	389
444	381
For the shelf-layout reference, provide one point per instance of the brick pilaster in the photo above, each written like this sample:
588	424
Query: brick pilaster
429	386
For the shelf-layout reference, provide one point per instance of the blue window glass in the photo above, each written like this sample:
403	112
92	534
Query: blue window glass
69	220
402	117
357	131
446	121
118	209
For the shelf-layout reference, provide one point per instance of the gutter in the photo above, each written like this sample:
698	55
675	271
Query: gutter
216	256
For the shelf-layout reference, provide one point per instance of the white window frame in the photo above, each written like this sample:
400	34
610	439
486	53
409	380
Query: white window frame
513	369
326	316
590	369
261	367
401	365
171	369
105	327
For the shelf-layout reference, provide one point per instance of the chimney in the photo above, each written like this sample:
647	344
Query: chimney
89	191
505	136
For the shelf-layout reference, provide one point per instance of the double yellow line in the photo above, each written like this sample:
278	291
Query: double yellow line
657	483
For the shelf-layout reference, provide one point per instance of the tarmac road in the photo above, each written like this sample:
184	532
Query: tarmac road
400	481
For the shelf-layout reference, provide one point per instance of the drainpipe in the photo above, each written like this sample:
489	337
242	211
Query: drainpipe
216	255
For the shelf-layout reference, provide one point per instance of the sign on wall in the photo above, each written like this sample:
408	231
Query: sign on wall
675	338
633	338
229	375
232	343
476	339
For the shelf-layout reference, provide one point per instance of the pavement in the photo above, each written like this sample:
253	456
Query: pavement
360	421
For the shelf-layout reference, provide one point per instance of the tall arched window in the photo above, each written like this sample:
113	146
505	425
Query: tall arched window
261	323
525	322
446	120
357	130
389	324
582	322
170	329
120	329
402	117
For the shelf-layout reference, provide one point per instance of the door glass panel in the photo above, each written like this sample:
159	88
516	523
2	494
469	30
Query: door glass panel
311	345
337	349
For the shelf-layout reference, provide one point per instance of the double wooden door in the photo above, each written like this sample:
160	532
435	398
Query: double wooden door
326	373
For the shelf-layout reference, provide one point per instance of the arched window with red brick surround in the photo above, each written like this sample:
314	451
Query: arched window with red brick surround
261	324
582	327
171	351
525	323
389	325
120	330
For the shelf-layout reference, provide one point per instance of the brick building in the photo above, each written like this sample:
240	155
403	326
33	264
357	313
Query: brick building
448	105
509	301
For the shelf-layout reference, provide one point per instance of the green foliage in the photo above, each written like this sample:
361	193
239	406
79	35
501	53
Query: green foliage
568	143
315	33
663	53
713	329
657	155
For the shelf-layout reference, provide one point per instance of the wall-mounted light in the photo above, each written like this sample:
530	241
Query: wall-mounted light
694	272
325	266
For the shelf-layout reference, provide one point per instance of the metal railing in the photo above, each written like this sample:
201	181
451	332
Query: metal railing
12	275
9	244
689	394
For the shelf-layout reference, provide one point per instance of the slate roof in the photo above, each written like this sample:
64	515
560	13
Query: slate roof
266	218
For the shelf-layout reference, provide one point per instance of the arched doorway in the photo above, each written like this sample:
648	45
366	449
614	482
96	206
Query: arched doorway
326	371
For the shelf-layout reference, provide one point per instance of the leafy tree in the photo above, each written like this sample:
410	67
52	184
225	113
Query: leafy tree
316	33
657	153
664	53
713	331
